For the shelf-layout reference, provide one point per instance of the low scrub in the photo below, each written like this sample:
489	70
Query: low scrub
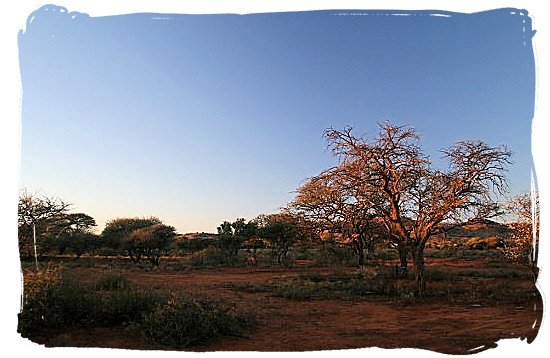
52	302
317	286
184	322
49	302
209	257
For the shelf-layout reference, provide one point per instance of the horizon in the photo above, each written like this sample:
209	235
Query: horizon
134	122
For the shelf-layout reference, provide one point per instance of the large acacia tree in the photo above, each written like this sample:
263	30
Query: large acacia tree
393	179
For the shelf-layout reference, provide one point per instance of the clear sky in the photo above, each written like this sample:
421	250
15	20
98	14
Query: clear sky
198	119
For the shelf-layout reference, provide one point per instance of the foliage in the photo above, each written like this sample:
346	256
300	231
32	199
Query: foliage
186	244
182	322
230	245
232	236
71	232
280	232
53	302
117	231
139	237
308	287
151	241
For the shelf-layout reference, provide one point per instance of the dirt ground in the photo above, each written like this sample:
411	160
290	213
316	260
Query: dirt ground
290	325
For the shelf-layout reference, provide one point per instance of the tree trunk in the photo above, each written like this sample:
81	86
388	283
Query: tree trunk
418	262
361	256
402	270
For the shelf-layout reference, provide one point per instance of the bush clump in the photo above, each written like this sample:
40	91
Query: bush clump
209	257
51	302
184	322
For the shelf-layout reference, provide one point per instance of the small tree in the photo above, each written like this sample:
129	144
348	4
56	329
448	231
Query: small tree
69	231
83	241
152	241
281	232
233	235
117	231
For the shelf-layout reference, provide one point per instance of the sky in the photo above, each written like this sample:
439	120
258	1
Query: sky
197	119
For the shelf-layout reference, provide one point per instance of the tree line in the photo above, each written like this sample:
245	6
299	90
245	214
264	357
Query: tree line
47	227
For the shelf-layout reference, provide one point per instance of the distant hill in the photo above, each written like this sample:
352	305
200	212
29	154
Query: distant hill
480	228
198	235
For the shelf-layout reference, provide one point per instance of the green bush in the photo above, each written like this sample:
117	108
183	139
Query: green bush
184	322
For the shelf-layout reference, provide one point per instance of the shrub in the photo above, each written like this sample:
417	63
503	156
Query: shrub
211	256
183	322
125	306
334	254
51	302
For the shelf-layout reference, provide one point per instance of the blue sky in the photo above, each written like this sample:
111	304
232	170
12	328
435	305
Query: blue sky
198	119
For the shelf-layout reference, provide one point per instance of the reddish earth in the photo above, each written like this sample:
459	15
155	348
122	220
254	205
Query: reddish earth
288	325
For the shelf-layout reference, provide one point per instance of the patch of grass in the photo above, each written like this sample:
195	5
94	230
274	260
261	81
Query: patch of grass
112	281
492	273
251	287
309	286
440	254
477	254
307	290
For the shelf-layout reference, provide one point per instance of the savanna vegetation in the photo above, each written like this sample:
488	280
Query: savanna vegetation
349	237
